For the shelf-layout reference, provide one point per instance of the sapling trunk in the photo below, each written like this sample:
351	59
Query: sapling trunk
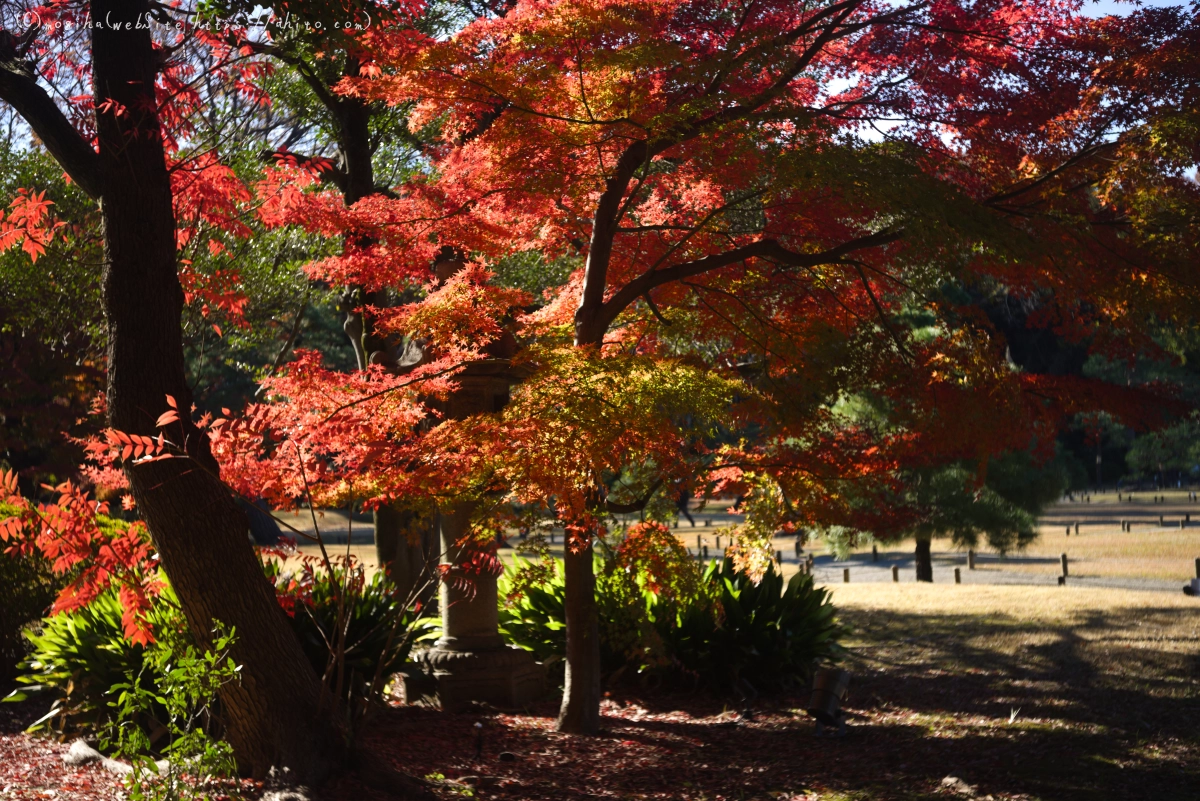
580	712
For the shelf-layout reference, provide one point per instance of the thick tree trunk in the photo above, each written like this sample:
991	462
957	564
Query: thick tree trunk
404	551
274	715
924	560
580	712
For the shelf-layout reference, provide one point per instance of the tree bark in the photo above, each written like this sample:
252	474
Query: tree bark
402	549
274	715
580	712
924	560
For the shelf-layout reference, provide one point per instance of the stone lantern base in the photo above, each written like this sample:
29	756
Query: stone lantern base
507	677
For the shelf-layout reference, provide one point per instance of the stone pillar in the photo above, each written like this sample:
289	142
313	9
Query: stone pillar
470	616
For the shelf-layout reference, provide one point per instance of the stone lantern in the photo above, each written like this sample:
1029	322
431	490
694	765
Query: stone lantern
471	662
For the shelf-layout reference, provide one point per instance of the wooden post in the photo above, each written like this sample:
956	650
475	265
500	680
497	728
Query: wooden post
1198	568
1077	529
705	549
896	571
1064	565
1068	531
874	553
1160	520
718	542
845	575
779	557
971	559
957	576
698	542
707	522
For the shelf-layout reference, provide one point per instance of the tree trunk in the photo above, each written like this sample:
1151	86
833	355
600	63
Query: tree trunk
580	712
389	537
402	548
274	715
924	561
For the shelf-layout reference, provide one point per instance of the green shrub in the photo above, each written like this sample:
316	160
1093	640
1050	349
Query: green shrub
183	704
29	586
79	657
755	637
533	613
729	633
380	631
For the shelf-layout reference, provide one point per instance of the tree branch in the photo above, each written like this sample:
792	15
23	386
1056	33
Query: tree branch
635	506
763	249
19	88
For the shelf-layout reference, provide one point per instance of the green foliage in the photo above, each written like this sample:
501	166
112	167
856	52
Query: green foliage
755	637
1003	509
1021	480
648	572
1173	448
80	657
380	630
533	611
57	298
726	632
51	324
533	272
175	688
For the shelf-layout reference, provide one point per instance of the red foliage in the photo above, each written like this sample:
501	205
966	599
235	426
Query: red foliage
28	223
69	533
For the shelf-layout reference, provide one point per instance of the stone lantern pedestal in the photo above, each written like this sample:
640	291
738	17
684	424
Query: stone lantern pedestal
471	662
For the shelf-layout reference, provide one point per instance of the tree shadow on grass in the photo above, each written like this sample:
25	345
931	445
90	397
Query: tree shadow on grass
1104	706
